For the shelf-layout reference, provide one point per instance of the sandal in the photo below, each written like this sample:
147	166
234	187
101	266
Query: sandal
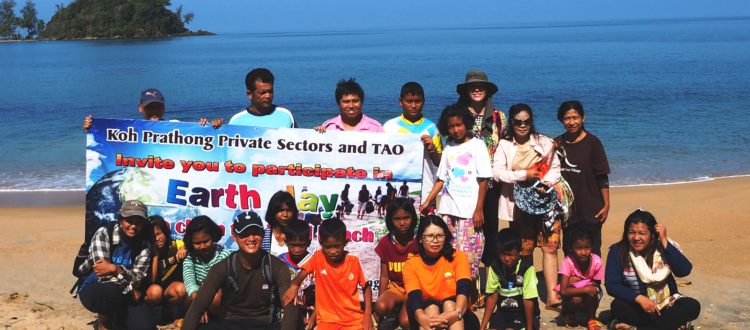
594	324
556	307
569	320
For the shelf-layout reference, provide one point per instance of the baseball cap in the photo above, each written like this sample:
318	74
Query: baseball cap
246	220
151	95
133	208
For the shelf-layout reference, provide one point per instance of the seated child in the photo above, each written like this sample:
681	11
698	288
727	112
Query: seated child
298	241
393	250
166	267
512	282
201	237
582	273
338	277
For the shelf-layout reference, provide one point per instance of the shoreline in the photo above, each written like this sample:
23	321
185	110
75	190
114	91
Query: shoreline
708	219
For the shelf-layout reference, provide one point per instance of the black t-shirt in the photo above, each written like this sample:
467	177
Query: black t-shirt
583	162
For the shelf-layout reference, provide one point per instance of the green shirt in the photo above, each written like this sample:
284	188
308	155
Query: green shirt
528	289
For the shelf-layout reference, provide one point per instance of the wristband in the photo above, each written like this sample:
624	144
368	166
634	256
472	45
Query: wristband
460	316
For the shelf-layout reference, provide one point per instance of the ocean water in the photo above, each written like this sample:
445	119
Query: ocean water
669	99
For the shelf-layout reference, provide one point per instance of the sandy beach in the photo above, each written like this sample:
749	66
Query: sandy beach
708	219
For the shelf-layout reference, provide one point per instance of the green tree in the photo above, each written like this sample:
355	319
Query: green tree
8	19
188	18
28	19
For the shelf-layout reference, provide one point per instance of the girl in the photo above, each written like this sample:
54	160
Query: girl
394	249
437	281
201	237
488	125
582	272
516	163
462	182
281	210
640	275
585	168
166	265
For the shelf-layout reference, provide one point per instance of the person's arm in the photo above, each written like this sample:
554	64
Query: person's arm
435	190
215	279
188	277
367	295
154	267
604	212
478	217
568	291
501	170
291	292
282	277
528	311
678	263
87	123
613	280
490	302
131	278
431	149
383	278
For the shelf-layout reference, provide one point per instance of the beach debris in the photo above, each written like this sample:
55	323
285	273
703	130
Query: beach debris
16	297
41	304
681	282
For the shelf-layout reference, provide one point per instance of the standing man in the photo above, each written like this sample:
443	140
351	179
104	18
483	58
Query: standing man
262	112
350	96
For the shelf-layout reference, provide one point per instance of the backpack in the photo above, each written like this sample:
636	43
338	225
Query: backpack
275	300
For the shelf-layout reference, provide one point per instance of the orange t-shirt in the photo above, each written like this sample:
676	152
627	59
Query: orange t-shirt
336	290
437	282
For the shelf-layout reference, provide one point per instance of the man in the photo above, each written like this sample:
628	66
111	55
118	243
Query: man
247	295
350	97
262	112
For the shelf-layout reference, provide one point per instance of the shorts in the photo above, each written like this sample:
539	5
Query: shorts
397	290
530	229
361	206
508	320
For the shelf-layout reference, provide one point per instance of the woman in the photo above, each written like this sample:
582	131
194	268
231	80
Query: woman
438	280
489	125
115	269
281	210
517	162
585	168
640	277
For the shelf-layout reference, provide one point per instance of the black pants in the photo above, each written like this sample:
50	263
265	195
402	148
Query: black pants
683	311
490	222
595	229
237	325
107	299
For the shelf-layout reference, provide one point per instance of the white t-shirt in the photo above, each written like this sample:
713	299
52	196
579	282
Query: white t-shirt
460	166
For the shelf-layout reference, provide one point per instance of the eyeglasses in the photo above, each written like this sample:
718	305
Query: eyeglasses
433	238
517	122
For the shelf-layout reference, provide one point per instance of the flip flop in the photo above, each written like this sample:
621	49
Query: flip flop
594	324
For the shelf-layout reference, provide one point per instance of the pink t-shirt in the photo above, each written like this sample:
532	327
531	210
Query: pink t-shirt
366	124
595	273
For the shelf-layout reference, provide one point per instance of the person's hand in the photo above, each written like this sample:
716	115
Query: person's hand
215	123
289	295
478	219
647	305
428	322
320	129
193	295
602	214
87	123
203	121
661	231
448	318
181	253
137	295
427	142
104	267
591	290
532	173
310	321
423	208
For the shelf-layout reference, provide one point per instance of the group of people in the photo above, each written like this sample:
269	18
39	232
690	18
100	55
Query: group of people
479	168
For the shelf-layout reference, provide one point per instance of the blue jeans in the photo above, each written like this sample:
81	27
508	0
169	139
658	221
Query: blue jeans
107	299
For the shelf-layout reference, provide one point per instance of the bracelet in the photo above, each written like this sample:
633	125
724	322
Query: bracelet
460	316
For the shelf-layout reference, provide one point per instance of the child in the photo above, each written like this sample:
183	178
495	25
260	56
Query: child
462	183
338	275
394	249
166	266
201	237
281	210
298	241
512	282
582	273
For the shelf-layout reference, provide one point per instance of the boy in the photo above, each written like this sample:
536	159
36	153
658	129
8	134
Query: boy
298	241
247	296
350	96
338	275
513	282
411	121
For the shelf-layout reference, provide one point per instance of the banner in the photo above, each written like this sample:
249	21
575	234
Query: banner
182	170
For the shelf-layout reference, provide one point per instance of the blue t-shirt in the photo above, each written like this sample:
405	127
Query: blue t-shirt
278	118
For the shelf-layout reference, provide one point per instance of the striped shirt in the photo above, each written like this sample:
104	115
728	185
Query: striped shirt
194	270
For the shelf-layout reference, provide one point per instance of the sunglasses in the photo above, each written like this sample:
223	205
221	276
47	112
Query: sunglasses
517	122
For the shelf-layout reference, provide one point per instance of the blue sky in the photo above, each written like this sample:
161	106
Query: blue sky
233	16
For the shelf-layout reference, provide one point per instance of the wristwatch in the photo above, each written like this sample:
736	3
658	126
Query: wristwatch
460	316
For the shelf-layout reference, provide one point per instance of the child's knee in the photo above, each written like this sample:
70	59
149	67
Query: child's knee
154	294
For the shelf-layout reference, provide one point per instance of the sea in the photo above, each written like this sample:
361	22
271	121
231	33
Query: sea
669	99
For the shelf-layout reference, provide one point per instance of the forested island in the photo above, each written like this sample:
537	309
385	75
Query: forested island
98	19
